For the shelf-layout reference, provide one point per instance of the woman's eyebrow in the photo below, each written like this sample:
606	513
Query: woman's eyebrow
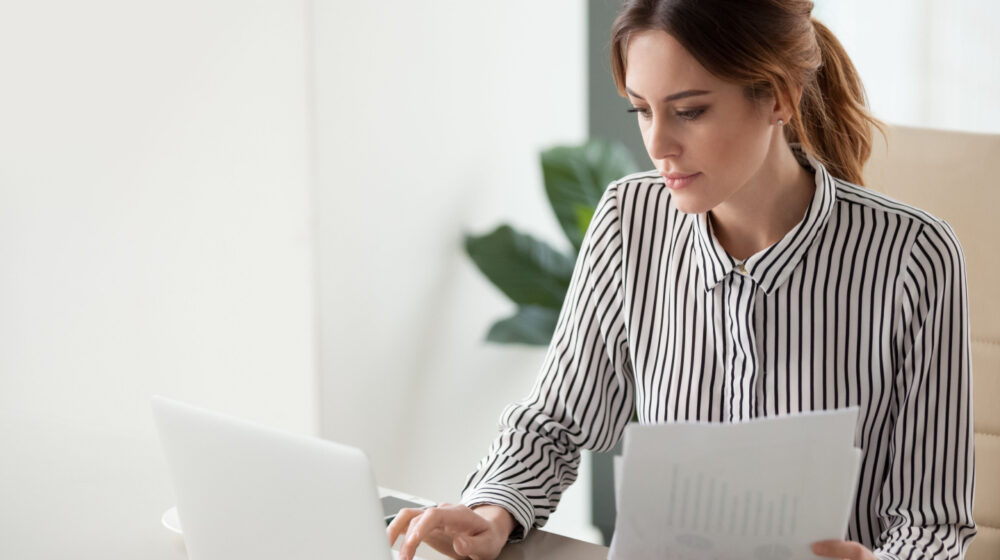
673	96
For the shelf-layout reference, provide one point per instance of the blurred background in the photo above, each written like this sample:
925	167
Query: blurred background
258	207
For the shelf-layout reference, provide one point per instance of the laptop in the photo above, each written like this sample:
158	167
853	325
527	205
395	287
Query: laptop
252	492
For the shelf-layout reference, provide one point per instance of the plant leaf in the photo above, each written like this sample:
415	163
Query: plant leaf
577	176
527	270
530	325
584	214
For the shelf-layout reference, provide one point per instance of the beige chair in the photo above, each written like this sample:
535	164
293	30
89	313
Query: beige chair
953	176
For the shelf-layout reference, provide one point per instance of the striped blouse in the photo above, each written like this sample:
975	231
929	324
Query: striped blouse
863	303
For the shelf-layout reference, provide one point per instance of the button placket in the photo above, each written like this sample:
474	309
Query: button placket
741	366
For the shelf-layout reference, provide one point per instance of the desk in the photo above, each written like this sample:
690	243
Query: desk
539	544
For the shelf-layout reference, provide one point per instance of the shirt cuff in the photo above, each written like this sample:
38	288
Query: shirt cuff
508	498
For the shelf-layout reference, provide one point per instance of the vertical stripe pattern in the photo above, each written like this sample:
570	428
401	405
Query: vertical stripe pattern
862	304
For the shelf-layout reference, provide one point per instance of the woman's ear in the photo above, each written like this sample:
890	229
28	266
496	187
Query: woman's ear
785	103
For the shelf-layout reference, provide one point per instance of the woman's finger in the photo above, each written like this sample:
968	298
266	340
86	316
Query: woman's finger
453	521
418	531
848	550
401	523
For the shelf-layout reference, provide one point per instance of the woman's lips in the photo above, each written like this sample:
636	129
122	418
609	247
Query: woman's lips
676	181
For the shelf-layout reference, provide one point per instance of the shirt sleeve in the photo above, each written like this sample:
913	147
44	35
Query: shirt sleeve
583	397
926	497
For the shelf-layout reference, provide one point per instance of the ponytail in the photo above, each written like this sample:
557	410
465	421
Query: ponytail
835	124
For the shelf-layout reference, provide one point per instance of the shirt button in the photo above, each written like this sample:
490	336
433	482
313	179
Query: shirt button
742	269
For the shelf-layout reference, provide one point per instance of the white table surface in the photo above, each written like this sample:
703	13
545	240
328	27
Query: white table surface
540	544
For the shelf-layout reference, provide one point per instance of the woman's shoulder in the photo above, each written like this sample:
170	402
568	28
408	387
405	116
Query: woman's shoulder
629	195
636	181
639	181
882	203
650	175
925	224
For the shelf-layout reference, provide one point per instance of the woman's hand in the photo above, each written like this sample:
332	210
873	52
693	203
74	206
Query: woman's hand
848	550
453	530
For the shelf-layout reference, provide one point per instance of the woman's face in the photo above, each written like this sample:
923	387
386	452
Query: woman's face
720	135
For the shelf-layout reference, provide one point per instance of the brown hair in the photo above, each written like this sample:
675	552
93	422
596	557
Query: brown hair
768	46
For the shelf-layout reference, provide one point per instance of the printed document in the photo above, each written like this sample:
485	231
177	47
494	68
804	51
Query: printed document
764	489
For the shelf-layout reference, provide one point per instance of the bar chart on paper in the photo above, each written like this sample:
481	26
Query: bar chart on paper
701	503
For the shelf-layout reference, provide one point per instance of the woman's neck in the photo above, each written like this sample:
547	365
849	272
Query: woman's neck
772	203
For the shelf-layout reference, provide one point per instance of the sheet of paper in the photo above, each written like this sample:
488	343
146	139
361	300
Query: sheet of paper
764	489
834	427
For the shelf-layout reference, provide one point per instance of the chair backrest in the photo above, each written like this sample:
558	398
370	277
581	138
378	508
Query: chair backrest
952	175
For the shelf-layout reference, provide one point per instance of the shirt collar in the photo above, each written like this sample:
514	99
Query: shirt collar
771	267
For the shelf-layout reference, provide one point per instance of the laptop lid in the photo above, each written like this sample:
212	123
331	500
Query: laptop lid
252	492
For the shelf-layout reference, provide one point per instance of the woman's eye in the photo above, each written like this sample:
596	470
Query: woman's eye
643	113
689	115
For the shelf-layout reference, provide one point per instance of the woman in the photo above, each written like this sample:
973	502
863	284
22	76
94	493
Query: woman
749	275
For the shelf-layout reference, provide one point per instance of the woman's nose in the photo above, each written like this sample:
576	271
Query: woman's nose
662	141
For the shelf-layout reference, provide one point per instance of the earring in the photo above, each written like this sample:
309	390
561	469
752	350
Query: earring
781	122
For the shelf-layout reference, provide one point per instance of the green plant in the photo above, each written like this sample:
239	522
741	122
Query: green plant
534	275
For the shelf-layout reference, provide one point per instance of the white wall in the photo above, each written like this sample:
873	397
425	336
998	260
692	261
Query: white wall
431	118
926	63
155	237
